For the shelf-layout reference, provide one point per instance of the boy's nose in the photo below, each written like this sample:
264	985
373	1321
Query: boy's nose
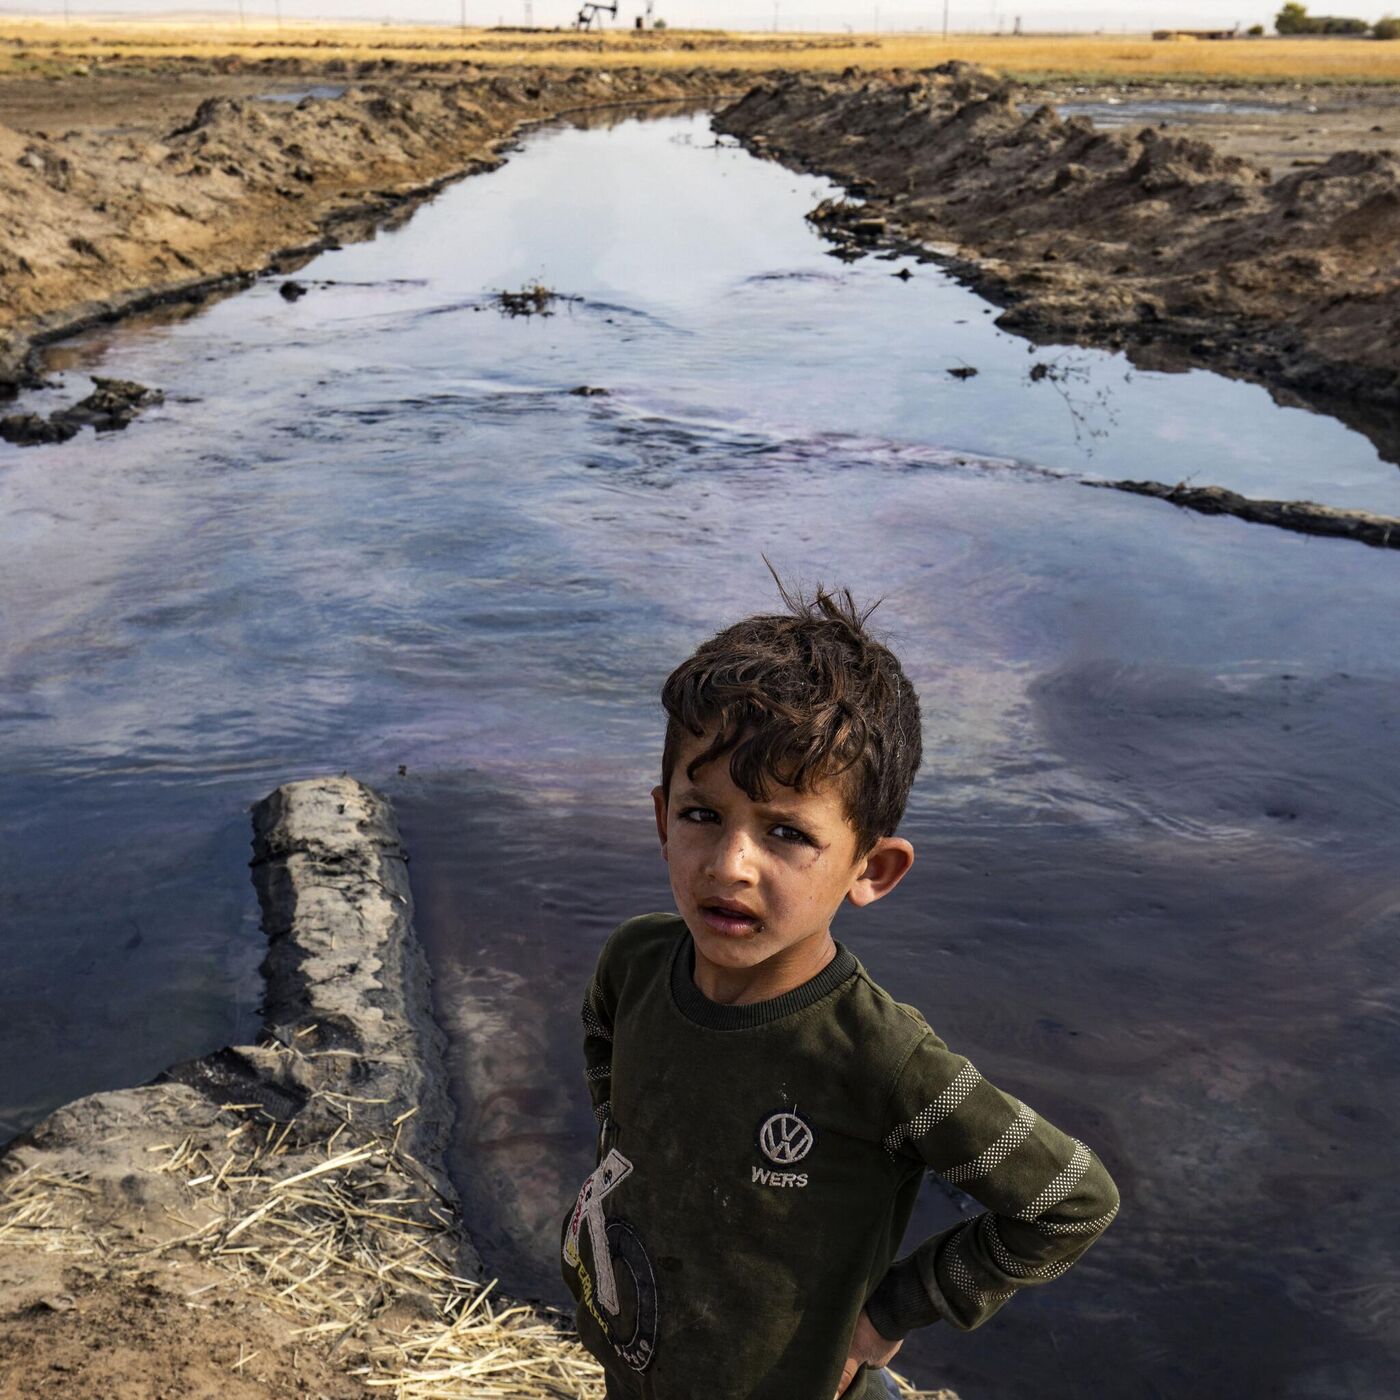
731	859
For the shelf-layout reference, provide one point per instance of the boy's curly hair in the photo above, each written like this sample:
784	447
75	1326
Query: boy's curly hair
798	698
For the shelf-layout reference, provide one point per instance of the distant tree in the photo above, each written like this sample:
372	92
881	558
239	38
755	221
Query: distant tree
659	24
1386	29
1295	19
1255	31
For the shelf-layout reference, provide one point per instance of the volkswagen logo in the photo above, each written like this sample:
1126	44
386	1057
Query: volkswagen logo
785	1138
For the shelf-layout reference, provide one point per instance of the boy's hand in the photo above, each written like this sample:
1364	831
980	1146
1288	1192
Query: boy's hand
867	1345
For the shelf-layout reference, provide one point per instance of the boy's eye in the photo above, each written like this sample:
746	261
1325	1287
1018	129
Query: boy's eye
698	814
791	833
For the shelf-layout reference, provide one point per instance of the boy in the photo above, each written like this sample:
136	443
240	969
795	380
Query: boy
766	1112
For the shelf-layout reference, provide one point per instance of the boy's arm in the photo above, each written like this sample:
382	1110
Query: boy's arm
1048	1197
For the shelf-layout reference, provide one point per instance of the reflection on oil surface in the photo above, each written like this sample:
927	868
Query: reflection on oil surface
1155	893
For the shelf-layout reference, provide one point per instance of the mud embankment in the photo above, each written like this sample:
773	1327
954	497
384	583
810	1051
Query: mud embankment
95	225
1157	245
1303	517
272	1219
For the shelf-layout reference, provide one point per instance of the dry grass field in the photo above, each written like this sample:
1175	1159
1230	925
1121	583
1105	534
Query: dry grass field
54	48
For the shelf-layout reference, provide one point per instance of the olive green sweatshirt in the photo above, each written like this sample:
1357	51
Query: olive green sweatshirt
756	1168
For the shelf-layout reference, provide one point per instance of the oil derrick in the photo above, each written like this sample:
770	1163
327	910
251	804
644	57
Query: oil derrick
589	12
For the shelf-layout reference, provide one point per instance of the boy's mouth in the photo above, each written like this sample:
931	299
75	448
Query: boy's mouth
731	919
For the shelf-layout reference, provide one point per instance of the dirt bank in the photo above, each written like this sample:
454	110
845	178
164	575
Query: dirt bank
273	1219
95	222
1135	239
1304	517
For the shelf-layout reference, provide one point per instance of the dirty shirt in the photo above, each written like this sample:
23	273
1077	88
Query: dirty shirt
757	1165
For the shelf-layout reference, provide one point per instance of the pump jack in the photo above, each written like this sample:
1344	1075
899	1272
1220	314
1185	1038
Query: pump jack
590	12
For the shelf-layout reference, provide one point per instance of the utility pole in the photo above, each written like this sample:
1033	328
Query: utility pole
242	18
775	16
463	11
945	18
277	9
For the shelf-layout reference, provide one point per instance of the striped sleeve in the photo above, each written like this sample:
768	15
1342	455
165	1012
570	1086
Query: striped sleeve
1048	1197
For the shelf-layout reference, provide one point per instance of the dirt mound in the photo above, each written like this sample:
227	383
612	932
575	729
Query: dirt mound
1129	239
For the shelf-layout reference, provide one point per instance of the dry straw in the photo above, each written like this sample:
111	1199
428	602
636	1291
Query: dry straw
333	1244
35	1211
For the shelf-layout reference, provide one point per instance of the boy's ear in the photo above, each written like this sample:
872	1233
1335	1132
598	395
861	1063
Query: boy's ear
886	864
658	800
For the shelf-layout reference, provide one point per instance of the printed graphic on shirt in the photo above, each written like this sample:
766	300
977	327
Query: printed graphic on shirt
785	1137
622	1299
764	1177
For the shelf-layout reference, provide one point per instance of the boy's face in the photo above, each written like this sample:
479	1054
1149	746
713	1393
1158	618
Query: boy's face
761	881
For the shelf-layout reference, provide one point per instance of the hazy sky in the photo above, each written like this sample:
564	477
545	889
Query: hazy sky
964	15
